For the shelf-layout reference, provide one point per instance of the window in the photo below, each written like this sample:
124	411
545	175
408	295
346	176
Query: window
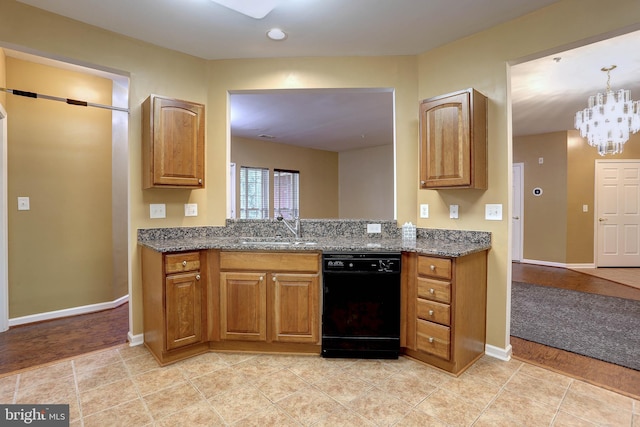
286	193
254	193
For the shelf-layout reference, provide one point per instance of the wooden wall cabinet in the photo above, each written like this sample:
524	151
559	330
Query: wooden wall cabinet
173	143
446	310
270	297
453	141
174	303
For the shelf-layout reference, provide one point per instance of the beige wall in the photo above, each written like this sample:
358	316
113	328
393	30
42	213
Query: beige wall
3	81
366	183
59	155
478	61
318	173
545	216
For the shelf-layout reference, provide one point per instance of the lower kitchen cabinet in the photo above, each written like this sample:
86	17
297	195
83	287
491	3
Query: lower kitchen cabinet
174	304
445	309
270	297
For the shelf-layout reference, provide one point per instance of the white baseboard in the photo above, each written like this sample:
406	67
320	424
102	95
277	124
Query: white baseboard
556	264
74	311
497	352
135	340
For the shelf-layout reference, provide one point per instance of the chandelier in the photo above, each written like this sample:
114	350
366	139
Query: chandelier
609	118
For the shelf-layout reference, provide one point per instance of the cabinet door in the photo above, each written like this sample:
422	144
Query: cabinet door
184	309
296	308
243	306
175	144
445	145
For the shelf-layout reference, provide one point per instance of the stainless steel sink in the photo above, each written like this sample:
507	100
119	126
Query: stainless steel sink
261	242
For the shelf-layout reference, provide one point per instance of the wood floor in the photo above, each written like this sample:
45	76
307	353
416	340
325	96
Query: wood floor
30	345
603	374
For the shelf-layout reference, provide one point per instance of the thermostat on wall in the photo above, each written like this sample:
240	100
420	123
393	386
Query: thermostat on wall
537	191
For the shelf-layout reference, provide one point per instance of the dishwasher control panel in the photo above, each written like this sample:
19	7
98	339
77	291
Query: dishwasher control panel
361	262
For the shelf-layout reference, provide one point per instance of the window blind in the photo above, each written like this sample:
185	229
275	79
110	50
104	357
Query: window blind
286	193
254	193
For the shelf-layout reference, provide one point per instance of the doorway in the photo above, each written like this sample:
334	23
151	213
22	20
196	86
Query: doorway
517	212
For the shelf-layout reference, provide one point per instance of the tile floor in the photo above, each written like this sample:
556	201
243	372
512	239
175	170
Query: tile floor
124	386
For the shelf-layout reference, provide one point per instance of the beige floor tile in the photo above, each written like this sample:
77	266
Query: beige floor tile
417	418
200	365
567	420
254	371
217	382
522	410
314	369
96	360
636	419
427	374
473	389
49	391
345	418
279	384
605	396
141	363
239	403
128	414
100	376
343	386
35	377
380	408
492	418
272	416
235	358
158	379
450	407
173	399
537	388
308	406
104	397
128	352
494	370
406	387
372	371
545	375
597	407
198	415
8	387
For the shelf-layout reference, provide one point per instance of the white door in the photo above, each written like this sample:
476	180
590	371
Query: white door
517	212
4	253
617	213
231	208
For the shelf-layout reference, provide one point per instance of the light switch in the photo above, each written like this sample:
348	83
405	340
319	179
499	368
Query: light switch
191	209
453	211
157	210
585	208
374	228
493	212
23	204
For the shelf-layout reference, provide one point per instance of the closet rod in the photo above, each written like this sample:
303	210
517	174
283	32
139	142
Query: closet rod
67	100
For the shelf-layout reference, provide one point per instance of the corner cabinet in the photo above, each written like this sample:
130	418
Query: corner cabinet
445	309
174	304
173	143
270	297
453	141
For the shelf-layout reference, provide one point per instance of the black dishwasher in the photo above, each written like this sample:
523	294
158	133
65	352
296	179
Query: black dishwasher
361	305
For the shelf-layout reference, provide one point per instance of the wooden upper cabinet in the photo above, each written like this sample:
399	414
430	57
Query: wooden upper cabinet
453	141
173	143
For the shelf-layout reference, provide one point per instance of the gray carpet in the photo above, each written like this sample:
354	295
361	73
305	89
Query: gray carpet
601	327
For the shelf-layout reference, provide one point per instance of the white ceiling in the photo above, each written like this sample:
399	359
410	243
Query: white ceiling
545	93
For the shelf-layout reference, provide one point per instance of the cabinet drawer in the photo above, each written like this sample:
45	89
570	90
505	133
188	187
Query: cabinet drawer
434	267
434	339
434	311
434	290
178	263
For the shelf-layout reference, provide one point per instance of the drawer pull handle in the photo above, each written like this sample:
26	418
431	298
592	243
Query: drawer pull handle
430	312
432	291
432	267
261	278
184	263
197	277
431	339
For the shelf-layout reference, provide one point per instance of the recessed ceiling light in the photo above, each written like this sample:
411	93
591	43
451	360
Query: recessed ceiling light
276	34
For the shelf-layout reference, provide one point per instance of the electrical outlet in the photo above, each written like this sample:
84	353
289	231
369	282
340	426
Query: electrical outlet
493	212
191	209
585	208
424	211
374	228
453	211
23	204
157	210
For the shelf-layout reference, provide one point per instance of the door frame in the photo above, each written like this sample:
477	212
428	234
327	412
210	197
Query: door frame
595	201
4	232
519	169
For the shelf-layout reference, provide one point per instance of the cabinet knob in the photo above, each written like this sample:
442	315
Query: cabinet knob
197	277
430	312
432	291
200	181
184	263
261	278
430	339
432	267
422	182
274	278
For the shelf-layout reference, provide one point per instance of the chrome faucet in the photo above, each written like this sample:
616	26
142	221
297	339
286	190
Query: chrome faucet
295	228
